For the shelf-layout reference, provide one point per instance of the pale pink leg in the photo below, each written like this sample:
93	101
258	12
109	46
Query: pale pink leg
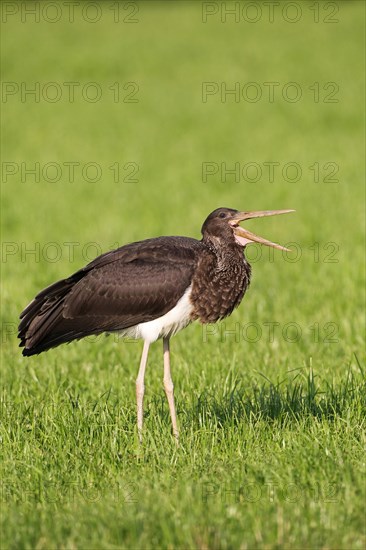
140	387
169	387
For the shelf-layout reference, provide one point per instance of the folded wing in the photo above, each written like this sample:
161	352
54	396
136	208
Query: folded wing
131	285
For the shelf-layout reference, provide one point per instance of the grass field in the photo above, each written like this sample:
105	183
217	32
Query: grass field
271	402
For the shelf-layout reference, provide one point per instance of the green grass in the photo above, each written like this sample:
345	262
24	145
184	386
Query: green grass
272	426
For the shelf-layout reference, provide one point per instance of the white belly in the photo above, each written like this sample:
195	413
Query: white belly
167	325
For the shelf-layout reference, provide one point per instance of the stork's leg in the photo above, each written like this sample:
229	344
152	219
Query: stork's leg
169	387
140	387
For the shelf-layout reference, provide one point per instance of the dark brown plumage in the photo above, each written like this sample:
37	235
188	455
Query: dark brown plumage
137	283
222	274
133	284
149	289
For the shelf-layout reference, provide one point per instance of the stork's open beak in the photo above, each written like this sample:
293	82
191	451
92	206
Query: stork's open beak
244	237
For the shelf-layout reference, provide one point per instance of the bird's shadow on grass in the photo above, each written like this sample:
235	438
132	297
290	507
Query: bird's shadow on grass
286	401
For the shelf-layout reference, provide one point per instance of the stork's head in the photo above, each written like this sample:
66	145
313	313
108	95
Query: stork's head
223	225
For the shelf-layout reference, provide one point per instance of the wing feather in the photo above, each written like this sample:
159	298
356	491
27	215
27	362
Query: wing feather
133	284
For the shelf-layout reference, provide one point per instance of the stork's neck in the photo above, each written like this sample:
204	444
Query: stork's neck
220	280
226	252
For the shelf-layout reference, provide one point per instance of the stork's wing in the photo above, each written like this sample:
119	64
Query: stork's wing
131	285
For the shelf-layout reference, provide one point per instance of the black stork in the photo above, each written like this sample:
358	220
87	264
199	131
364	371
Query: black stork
149	289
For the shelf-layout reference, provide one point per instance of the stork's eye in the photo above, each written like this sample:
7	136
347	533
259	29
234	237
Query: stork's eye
222	215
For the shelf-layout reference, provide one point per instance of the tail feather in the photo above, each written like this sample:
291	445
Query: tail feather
42	324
